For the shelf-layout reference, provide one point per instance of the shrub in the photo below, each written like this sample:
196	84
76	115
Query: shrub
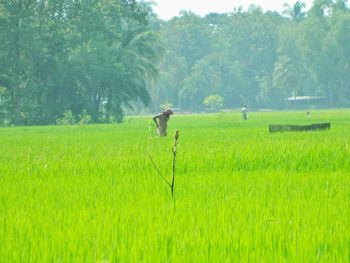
84	117
214	102
67	119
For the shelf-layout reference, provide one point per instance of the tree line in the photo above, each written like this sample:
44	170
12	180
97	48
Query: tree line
98	58
256	58
59	56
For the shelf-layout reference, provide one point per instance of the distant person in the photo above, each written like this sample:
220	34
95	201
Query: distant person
162	121
308	114
244	111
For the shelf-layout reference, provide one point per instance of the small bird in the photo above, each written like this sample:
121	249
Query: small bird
176	135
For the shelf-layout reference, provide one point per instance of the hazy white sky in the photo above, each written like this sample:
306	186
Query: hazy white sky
167	9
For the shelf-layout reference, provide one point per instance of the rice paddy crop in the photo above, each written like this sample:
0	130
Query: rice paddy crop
91	194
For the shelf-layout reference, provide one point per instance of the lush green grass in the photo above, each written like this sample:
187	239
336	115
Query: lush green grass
90	193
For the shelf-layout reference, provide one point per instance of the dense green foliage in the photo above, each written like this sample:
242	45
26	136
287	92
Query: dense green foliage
101	57
256	58
61	55
90	193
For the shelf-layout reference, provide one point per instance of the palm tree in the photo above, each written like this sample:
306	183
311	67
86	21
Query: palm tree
285	76
295	12
137	59
320	7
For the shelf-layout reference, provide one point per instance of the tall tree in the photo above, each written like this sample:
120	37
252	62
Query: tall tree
60	55
295	12
285	76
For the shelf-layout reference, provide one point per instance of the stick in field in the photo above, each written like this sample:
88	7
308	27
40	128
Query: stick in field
174	150
159	173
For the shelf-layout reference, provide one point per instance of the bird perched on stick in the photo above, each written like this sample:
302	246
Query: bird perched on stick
176	135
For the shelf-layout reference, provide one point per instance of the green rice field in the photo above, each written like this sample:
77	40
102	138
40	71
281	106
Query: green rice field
91	194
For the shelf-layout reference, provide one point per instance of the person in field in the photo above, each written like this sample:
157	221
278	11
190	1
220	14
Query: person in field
244	111
162	121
